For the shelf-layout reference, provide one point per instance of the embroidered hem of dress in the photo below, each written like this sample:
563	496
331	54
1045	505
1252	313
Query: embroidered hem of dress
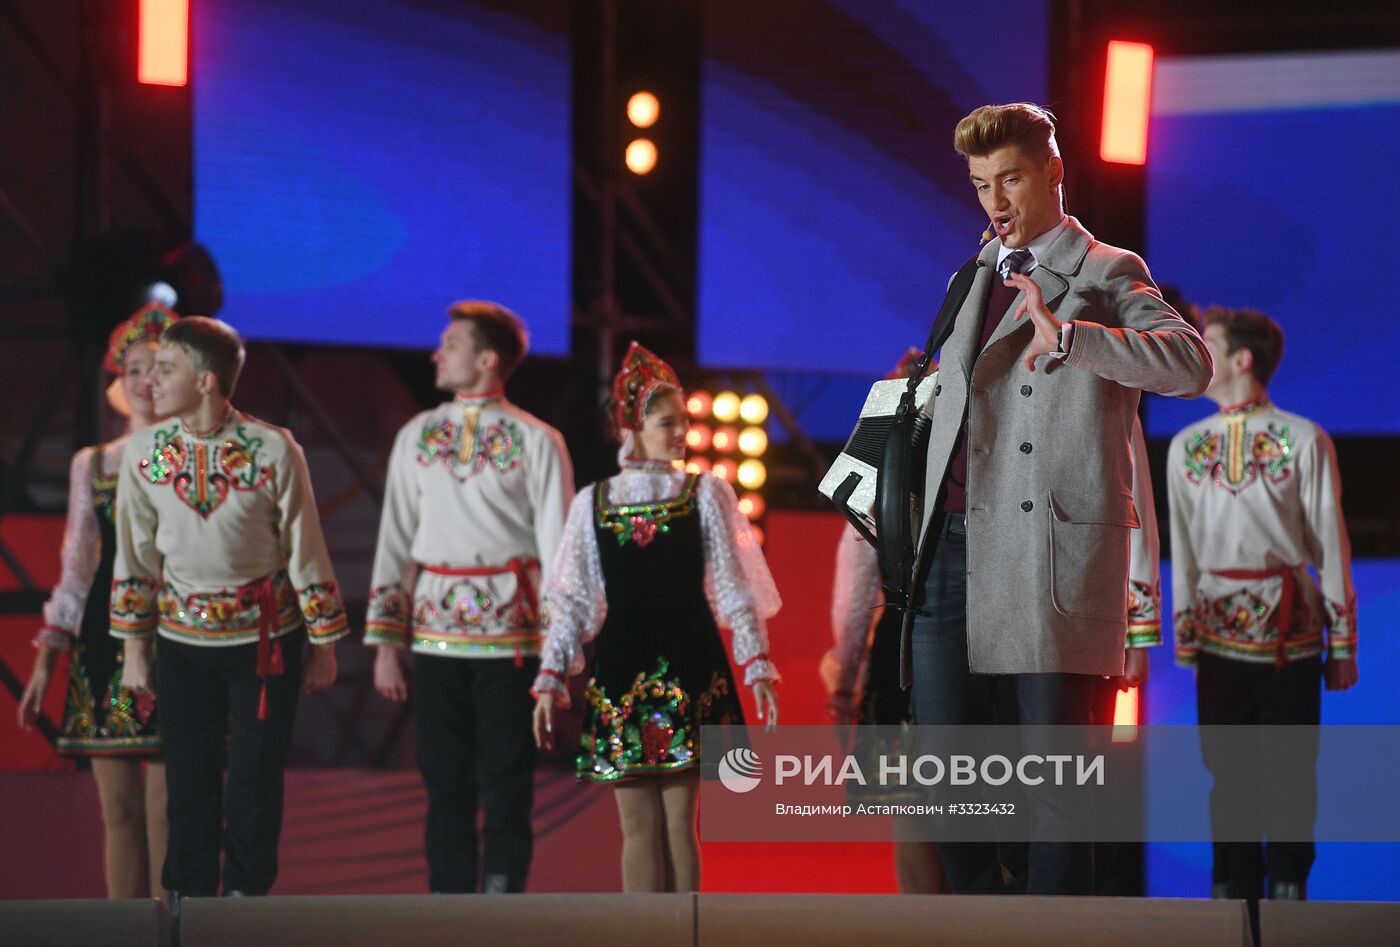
635	770
119	746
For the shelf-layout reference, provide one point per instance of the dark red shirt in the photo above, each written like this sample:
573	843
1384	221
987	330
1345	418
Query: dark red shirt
954	494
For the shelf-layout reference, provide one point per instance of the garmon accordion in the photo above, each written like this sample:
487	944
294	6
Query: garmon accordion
851	483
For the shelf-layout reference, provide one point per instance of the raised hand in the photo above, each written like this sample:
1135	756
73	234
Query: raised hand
1047	327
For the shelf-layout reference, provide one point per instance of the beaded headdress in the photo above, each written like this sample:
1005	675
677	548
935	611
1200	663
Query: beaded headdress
642	372
145	325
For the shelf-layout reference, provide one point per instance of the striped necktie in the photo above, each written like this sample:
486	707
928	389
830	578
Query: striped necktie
1018	261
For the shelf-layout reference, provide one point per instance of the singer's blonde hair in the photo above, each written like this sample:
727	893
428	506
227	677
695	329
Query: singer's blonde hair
1029	127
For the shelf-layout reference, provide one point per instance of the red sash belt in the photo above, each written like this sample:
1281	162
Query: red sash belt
263	593
527	605
1283	616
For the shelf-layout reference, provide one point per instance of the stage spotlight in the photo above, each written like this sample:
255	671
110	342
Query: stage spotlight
643	109
752	473
698	437
725	470
697	465
753	441
698	404
752	506
726	407
754	409
1127	102
725	439
163	48
641	156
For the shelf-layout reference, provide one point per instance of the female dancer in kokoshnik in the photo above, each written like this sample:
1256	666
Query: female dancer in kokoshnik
103	721
651	562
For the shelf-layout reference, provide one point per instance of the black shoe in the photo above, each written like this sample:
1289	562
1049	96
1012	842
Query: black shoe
1288	890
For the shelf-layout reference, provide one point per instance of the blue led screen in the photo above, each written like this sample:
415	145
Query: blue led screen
359	165
1263	191
833	208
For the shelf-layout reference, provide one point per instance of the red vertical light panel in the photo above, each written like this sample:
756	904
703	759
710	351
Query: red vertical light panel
1127	103
1125	716
165	42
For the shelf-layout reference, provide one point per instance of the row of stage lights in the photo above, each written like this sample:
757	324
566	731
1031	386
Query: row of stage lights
727	439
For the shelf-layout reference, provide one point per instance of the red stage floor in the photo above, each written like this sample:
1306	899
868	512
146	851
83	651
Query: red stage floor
360	832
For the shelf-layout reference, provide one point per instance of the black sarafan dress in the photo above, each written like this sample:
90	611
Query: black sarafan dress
670	554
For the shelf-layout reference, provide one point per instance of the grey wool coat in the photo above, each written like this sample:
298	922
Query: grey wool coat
1048	525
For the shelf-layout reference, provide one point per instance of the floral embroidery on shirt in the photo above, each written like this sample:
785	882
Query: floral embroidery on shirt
1273	452
321	606
1248	455
200	485
168	456
500	444
1201	452
238	460
435	441
496	445
468	604
133	605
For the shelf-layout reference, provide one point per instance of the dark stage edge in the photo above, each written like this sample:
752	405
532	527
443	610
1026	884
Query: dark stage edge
689	920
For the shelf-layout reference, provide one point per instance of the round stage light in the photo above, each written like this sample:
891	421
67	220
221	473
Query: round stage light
725	439
698	404
697	465
643	109
752	505
754	409
753	474
753	441
726	407
641	156
725	470
698	437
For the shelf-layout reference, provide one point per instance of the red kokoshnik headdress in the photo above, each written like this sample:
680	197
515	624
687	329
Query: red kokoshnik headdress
641	373
145	325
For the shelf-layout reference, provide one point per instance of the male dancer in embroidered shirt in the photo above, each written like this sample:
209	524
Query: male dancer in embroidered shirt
1027	499
220	552
474	508
1255	499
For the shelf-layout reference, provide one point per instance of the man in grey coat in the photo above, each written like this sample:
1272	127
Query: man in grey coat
1028	494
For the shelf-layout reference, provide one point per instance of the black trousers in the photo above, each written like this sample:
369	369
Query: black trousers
209	721
947	693
475	744
1230	692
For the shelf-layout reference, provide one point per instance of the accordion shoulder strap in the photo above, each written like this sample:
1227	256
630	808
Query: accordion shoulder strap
958	289
896	498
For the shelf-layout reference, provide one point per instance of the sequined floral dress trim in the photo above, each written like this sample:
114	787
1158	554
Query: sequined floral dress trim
652	728
100	717
641	523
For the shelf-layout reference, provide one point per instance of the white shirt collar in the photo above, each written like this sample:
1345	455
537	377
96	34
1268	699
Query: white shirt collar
1038	246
